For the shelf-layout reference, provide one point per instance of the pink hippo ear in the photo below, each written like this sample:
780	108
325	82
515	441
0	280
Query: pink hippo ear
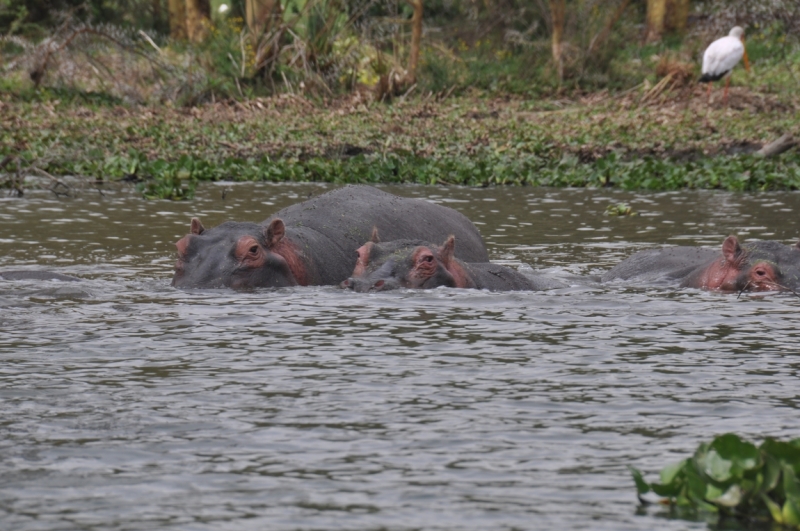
731	249
197	227
275	232
447	250
374	238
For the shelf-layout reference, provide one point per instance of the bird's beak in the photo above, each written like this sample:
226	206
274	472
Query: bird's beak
746	61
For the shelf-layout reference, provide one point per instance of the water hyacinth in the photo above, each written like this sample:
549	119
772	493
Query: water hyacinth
733	477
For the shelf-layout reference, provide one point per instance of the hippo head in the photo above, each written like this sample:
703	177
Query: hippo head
410	264
754	266
234	255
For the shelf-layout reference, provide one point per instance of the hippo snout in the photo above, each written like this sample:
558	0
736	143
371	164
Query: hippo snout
366	285
359	285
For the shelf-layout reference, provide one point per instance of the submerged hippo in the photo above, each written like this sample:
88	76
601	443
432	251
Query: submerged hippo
314	242
753	266
418	264
36	275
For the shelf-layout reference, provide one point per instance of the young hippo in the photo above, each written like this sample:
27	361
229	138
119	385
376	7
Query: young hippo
753	266
417	264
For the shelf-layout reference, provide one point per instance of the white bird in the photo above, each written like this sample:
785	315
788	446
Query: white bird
720	58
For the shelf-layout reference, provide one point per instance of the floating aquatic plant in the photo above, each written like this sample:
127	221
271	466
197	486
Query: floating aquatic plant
733	477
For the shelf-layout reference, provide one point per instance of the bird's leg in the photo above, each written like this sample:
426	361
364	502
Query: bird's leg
727	83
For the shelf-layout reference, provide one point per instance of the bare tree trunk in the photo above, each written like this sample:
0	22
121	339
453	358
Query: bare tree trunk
656	14
177	19
677	16
557	14
197	15
416	39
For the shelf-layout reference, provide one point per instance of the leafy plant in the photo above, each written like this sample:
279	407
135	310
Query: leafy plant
620	209
733	477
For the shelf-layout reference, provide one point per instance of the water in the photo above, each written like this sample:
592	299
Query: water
127	404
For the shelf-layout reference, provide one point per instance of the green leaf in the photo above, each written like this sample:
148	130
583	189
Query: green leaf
791	513
791	487
730	498
713	492
669	472
696	485
771	473
668	491
741	454
774	509
716	467
641	485
787	453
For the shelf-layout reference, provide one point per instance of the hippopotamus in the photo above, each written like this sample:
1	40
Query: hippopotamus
417	264
313	242
752	266
36	275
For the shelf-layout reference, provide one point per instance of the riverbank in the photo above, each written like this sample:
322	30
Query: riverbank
642	139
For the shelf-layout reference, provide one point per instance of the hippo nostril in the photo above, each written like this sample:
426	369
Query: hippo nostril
378	285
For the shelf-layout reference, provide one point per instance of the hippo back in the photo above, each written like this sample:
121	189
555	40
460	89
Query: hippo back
654	265
329	228
495	277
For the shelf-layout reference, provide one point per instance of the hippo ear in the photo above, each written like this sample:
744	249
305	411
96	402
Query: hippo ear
731	249
197	227
374	238
275	232
447	250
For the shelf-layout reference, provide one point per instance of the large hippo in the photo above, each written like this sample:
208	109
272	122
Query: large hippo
314	242
417	264
753	266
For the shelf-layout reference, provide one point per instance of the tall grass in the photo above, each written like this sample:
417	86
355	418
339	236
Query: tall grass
324	49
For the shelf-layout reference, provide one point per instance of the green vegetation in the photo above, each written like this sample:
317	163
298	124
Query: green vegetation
473	141
318	97
735	478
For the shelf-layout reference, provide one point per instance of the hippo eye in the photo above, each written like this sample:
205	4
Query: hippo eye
428	258
254	249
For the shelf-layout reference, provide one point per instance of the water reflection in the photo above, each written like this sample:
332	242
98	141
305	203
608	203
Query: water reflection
140	406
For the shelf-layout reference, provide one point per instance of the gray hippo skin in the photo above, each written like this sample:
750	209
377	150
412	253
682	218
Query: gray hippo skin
36	275
417	264
753	266
314	242
671	264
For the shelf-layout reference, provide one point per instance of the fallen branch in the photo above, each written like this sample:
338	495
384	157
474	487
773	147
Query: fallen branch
784	143
657	89
56	182
146	37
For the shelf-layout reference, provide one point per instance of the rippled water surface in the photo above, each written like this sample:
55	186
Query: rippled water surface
127	404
